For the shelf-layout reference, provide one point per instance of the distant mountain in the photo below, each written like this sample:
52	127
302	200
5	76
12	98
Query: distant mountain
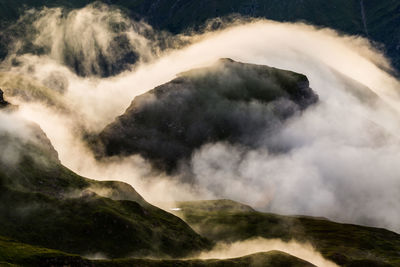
344	244
375	19
43	203
230	101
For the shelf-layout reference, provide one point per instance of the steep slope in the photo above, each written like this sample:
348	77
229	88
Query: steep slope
374	19
377	20
43	203
229	101
345	244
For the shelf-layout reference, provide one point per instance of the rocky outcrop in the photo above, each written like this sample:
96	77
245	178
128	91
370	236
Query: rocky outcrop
229	101
3	103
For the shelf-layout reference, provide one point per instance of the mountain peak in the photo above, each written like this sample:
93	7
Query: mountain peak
204	105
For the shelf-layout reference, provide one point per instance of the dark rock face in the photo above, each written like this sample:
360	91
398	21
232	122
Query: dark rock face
229	101
3	103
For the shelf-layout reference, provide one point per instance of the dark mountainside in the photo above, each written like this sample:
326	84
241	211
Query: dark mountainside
43	203
376	19
13	252
44	206
50	216
231	101
344	244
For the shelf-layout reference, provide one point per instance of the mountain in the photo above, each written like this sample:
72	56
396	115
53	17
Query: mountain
344	244
377	20
51	216
13	252
43	203
231	101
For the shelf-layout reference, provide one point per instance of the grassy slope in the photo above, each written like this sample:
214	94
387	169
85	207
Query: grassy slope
382	17
214	205
267	259
348	245
177	15
93	225
44	203
342	243
14	253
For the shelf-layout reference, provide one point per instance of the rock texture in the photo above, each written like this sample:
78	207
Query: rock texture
3	103
229	101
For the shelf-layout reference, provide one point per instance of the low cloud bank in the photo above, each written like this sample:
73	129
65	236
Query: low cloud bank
240	249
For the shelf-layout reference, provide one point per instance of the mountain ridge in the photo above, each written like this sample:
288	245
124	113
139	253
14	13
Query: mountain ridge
43	203
374	19
344	244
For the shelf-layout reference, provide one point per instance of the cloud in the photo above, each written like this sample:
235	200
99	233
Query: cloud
95	40
243	248
228	101
341	154
16	135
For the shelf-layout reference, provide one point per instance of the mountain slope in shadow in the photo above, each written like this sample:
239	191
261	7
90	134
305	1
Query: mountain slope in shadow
344	244
229	101
43	203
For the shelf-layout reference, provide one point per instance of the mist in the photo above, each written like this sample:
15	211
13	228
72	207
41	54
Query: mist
341	160
240	249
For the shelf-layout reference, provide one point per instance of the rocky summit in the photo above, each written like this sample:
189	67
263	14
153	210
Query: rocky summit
228	101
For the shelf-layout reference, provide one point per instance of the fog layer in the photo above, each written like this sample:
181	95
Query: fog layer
342	154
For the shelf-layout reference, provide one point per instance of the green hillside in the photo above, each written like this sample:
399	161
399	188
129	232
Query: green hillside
43	203
14	253
345	244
